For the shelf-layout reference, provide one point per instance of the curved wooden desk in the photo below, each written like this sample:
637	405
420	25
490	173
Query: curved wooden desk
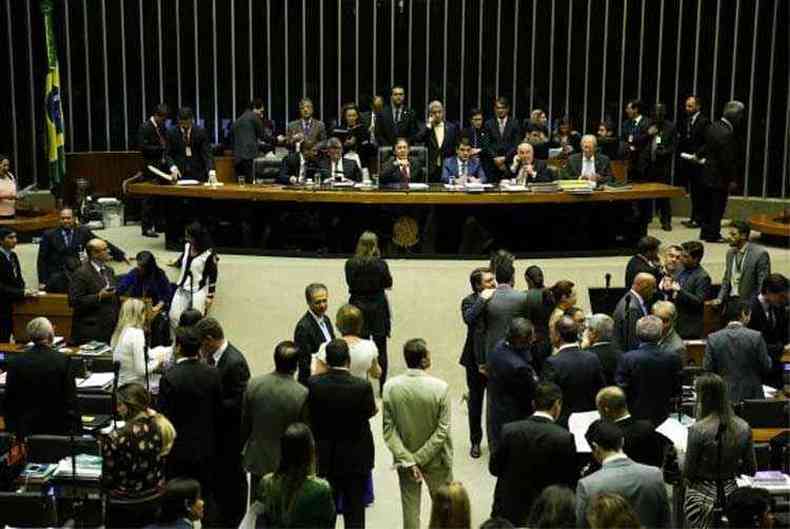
35	223
771	224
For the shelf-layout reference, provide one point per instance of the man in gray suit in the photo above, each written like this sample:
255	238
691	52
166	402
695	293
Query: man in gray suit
304	128
505	304
632	306
688	290
670	341
642	486
589	164
739	355
747	266
417	430
271	403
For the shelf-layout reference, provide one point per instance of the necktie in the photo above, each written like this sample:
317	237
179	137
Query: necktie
463	169
501	127
67	237
210	360
105	273
474	140
404	171
397	116
305	127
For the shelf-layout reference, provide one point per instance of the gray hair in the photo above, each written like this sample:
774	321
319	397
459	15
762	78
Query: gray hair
603	327
40	330
435	104
334	142
649	329
667	307
590	137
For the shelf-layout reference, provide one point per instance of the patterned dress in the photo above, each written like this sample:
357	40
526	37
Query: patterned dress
133	466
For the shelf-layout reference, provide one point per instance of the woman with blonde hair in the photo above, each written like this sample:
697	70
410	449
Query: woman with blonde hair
367	276
609	510
363	353
450	509
128	344
134	456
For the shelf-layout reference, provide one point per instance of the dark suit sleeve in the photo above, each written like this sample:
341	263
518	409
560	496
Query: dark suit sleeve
11	293
205	152
472	309
284	177
724	291
11	404
390	174
569	474
695	297
605	171
667	145
543	173
499	457
622	376
234	394
370	401
302	342
245	429
386	277
763	269
80	292
164	402
41	261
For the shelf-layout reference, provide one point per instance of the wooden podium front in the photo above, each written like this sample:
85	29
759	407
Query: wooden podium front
54	307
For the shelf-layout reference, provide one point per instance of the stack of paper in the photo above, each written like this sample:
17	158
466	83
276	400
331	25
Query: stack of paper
418	186
88	467
94	348
773	481
95	381
513	188
545	187
576	187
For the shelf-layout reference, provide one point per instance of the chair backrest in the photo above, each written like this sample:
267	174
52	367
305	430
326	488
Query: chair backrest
53	448
27	509
760	413
95	403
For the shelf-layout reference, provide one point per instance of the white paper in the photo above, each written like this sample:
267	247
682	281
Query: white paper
578	424
675	432
187	182
769	391
418	186
688	156
96	380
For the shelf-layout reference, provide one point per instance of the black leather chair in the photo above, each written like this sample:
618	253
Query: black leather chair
128	513
53	448
761	413
27	509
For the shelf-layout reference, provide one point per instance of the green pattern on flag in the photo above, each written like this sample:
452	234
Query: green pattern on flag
54	116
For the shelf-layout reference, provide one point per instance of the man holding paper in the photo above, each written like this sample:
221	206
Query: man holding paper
189	148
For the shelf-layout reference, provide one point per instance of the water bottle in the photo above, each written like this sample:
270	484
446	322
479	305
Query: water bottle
242	179
451	180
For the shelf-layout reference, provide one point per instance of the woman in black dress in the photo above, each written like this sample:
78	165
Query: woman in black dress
367	275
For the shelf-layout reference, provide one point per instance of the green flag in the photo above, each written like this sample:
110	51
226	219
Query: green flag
54	117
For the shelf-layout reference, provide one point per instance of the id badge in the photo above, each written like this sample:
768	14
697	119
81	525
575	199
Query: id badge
658	140
630	138
189	152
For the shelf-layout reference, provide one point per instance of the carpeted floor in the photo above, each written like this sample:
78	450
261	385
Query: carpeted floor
259	299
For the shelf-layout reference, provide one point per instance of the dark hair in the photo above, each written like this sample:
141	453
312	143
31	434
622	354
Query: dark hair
189	318
397	86
4	157
185	113
337	354
560	289
697	99
502	101
255	104
497	523
414	351
607	435
135	397
742	226
747	505
474	112
567	329
463	141
161	110
180	493
304	101
209	328
476	277
554	508
6	232
534	276
694	248
735	309
609	510
297	461
401	139
147	262
775	284
286	357
646	244
546	394
502	265
200	235
188	341
311	289
346	108
636	104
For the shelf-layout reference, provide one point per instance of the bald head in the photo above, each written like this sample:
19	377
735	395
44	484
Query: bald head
611	403
645	285
97	250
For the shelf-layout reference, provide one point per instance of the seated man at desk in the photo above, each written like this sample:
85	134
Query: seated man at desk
589	164
524	169
402	169
336	167
40	392
300	166
462	166
69	239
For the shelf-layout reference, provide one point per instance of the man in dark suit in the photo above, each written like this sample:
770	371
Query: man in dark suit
770	318
650	377
524	169
440	137
92	296
576	371
479	138
739	355
589	164
533	454
313	329
690	141
40	394
337	168
636	138
152	140
511	380
597	338
300	166
505	133
12	284
722	155
67	240
633	305
190	395
341	406
746	266
655	163
403	168
250	138
642	442
645	260
505	304
304	128
234	374
689	291
483	284
189	148
396	120
463	167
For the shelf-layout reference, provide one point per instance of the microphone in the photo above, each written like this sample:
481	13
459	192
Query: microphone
608	278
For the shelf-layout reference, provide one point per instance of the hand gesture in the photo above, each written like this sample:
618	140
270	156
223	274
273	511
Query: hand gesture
487	293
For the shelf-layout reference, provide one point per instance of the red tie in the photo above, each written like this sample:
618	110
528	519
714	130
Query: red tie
404	170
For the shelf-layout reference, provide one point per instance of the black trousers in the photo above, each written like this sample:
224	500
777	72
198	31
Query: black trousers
230	488
476	383
696	190
149	208
6	328
352	488
711	212
381	345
